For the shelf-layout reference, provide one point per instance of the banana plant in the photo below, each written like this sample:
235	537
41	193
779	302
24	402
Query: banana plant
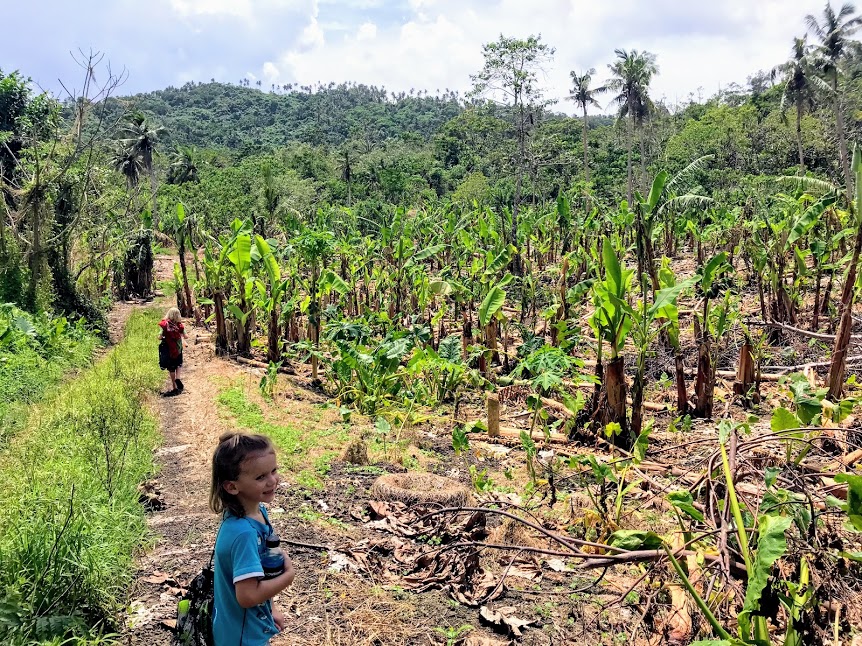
240	257
648	322
314	247
711	327
611	322
271	295
800	215
177	228
216	279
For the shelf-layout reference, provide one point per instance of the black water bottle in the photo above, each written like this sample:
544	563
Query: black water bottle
273	559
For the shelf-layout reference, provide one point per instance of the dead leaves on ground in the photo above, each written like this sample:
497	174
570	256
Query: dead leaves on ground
426	552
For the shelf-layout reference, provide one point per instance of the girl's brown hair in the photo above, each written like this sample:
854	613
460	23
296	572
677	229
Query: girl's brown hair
232	449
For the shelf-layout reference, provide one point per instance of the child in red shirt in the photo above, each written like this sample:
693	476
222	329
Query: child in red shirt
171	349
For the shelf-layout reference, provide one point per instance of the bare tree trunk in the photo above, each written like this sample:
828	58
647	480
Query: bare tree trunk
584	137
842	144
799	138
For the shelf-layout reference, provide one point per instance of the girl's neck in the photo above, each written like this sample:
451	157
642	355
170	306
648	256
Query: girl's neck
252	509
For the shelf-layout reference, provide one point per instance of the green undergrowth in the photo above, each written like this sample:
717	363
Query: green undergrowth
70	520
305	449
35	353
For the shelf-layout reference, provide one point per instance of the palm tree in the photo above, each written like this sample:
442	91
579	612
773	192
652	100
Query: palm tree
140	140
184	166
834	34
632	73
585	97
799	85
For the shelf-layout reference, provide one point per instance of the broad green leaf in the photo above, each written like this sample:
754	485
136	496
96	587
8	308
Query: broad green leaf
450	348
491	305
712	269
440	287
809	218
333	280
501	261
237	313
853	506
181	213
429	251
657	189
635	539
240	255
642	443
783	419
269	261
382	426
25	326
613	271
771	545
684	501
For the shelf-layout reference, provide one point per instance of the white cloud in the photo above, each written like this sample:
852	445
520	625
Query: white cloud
367	31
270	72
438	43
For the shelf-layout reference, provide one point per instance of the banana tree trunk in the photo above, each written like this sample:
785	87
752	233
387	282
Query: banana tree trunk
842	337
705	383
186	310
612	404
681	390
221	327
273	336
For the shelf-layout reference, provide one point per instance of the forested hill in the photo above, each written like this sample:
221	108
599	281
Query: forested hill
243	118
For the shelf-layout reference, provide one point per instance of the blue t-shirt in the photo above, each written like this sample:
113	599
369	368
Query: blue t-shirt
240	544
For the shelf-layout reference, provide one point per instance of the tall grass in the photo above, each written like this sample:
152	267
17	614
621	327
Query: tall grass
35	353
70	520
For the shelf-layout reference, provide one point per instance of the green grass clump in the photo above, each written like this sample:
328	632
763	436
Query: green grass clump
35	353
302	447
70	520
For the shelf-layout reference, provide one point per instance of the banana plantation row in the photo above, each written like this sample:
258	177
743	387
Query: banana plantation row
434	301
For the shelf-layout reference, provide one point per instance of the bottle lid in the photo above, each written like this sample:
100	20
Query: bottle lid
273	541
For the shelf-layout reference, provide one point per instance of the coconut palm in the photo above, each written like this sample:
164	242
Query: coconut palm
631	76
184	166
584	97
140	140
834	33
799	88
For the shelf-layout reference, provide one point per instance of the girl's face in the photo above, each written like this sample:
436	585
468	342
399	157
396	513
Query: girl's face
258	478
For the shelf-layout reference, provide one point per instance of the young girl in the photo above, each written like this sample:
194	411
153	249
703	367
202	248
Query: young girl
172	334
245	475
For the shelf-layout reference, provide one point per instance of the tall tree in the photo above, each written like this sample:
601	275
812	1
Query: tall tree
511	71
799	86
141	138
631	76
585	97
184	165
834	33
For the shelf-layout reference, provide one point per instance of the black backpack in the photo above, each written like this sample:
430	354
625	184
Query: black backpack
195	611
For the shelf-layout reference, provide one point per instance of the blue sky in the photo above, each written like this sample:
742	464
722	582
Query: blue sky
423	44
